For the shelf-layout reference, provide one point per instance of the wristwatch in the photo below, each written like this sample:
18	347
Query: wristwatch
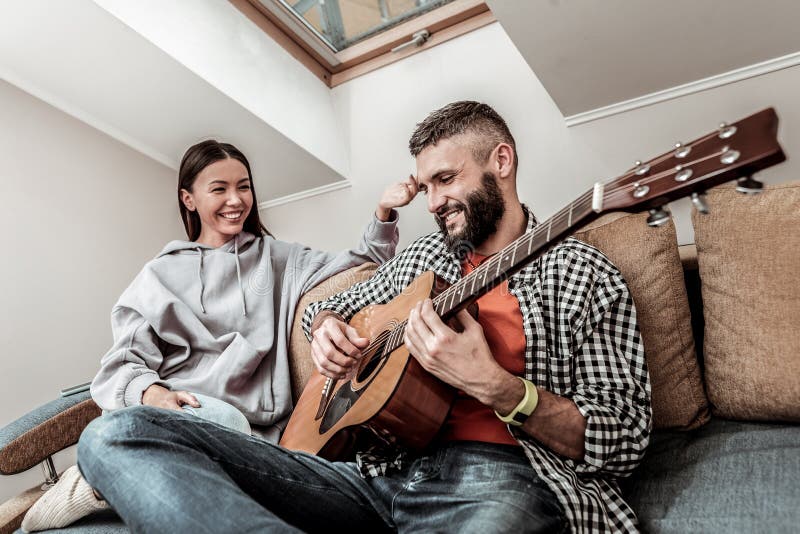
526	406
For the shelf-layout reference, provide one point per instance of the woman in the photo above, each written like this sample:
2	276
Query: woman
206	323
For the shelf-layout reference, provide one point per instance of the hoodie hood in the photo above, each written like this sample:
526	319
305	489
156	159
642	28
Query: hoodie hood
239	241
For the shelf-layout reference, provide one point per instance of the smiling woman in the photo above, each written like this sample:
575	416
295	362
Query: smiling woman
203	329
221	200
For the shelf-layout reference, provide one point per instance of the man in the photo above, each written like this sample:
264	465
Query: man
553	403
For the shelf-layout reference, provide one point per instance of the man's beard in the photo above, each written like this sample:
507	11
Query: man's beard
483	210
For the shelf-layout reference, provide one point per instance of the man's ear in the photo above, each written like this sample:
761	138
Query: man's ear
504	158
188	201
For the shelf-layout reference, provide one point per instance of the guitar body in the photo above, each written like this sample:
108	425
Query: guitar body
391	396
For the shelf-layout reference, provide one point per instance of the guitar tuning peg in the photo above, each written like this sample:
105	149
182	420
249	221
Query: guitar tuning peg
681	151
729	156
699	201
658	216
640	168
640	190
726	131
682	174
748	185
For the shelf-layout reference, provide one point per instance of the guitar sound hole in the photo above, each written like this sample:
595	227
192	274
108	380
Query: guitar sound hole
371	365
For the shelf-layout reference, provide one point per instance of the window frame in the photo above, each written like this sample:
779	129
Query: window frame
334	68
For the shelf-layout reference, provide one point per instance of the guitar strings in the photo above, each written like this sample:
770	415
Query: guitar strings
625	188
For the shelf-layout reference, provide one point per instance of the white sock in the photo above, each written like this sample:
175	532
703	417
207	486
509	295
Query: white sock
69	500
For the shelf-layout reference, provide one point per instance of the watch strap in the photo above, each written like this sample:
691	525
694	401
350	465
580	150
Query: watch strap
525	408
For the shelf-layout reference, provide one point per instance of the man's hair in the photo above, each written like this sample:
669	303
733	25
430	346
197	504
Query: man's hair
487	126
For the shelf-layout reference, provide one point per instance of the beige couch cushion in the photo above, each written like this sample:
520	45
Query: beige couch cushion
648	259
300	363
748	251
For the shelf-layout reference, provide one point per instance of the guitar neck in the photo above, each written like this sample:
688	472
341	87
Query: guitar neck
505	263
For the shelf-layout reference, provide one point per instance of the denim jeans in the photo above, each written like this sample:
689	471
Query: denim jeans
173	472
220	412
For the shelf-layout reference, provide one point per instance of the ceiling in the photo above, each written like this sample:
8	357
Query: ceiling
160	84
589	54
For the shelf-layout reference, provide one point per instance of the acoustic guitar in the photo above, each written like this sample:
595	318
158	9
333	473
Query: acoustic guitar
392	397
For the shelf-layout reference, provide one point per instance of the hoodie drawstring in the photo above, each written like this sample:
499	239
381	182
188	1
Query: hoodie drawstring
239	273
238	276
200	277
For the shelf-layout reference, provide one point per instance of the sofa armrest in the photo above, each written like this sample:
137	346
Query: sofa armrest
42	432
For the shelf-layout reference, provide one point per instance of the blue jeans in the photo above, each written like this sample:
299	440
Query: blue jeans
216	411
169	471
220	412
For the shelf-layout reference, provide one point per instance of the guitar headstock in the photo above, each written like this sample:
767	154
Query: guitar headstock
733	151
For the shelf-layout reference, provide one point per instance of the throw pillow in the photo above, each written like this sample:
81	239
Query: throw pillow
748	250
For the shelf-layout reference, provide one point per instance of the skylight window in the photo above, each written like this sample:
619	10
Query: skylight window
338	40
342	23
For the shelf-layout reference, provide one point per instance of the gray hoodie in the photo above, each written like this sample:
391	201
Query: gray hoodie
217	321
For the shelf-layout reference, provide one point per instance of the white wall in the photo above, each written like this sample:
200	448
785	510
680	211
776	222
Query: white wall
557	163
81	214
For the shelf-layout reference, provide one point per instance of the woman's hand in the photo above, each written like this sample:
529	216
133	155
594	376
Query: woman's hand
396	195
161	397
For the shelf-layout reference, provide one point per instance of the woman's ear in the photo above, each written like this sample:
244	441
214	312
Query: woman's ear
188	201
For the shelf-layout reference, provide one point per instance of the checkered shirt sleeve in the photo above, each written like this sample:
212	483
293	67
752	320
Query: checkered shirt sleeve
610	383
585	345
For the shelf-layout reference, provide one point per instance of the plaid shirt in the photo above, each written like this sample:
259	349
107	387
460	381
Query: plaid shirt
582	343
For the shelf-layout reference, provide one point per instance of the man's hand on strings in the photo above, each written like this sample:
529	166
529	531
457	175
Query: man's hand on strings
336	346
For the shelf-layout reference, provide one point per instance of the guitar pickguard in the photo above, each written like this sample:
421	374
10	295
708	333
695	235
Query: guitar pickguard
346	396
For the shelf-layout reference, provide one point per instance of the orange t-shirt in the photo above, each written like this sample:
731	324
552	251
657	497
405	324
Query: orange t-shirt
501	319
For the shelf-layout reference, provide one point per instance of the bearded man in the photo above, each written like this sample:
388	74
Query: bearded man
563	327
553	402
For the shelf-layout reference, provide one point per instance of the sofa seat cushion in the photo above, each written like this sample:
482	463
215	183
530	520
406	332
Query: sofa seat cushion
727	476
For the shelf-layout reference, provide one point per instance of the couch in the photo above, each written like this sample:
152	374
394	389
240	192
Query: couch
720	323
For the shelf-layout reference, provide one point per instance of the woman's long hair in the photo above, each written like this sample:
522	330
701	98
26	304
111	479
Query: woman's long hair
197	158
